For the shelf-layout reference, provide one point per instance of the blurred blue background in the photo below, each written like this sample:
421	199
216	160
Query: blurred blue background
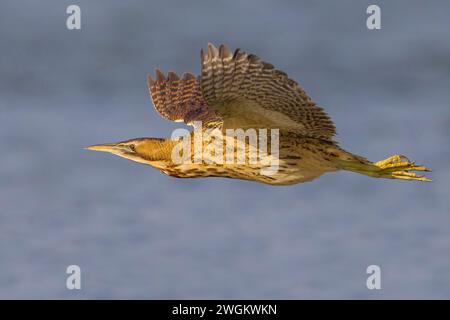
137	233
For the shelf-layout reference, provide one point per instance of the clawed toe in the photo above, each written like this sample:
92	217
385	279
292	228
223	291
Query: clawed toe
400	167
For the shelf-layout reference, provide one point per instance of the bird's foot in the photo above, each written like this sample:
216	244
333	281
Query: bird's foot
399	167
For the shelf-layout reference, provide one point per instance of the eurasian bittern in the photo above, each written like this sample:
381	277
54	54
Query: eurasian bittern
240	91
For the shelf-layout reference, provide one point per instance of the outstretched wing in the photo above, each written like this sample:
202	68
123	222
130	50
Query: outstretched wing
248	92
179	99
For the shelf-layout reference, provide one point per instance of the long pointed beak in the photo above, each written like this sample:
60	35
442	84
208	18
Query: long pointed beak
107	147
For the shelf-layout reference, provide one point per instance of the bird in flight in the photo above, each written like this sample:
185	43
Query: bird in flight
236	100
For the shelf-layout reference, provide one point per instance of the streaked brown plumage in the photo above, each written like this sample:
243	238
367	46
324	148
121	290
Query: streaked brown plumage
240	91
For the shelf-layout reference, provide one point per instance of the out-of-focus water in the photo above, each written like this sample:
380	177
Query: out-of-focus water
137	233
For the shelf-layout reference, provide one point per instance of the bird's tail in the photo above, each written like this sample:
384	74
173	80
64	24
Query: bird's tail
394	167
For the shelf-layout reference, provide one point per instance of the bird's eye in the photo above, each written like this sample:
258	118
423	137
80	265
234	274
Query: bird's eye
132	147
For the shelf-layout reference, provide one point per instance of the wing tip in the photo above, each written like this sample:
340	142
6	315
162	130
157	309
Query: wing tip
225	52
188	76
172	76
150	80
160	77
213	52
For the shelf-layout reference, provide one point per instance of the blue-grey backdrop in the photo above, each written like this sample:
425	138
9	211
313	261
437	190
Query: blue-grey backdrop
137	233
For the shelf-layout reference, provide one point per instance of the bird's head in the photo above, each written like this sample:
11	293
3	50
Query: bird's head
149	151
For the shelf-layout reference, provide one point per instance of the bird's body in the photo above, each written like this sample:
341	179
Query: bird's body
299	160
250	122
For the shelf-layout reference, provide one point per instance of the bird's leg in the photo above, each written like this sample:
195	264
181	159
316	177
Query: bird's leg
399	167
